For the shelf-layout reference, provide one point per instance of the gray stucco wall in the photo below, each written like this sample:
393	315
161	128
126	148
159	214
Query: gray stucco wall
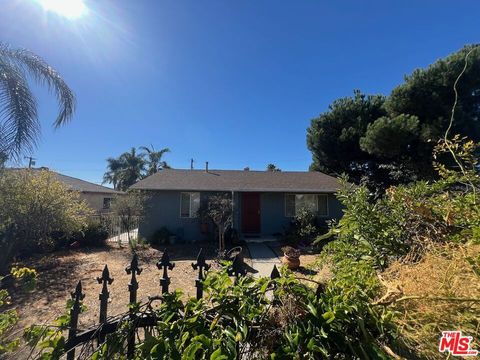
272	212
163	209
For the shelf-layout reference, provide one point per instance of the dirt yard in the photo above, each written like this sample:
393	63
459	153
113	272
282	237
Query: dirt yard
60	272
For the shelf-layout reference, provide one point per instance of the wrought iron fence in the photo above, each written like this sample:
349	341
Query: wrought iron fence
145	320
120	229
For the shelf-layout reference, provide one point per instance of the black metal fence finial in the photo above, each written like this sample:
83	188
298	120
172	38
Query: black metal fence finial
77	297
201	265
105	280
166	265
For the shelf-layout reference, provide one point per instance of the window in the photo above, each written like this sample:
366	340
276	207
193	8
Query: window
189	204
313	202
322	206
107	203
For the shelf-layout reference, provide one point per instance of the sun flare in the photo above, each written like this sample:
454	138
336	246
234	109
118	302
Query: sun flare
68	8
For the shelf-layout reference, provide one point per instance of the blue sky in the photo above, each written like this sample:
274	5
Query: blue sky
234	83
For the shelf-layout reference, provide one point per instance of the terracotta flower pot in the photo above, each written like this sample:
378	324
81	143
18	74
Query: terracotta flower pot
292	263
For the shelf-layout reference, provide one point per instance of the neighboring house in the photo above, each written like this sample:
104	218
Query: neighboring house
264	202
98	197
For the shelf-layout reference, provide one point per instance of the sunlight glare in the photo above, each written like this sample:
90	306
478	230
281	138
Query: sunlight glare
68	8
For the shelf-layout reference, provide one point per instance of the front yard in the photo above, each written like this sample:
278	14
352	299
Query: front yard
60	272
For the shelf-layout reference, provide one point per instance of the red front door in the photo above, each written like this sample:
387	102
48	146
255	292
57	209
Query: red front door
251	213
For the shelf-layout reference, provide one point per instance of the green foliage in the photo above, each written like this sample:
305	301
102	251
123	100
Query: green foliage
389	141
303	228
160	237
8	318
94	234
130	167
333	137
427	93
34	204
19	124
273	167
154	159
49	340
237	319
126	170
391	137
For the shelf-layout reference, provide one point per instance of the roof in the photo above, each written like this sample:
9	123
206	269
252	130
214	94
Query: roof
75	183
239	180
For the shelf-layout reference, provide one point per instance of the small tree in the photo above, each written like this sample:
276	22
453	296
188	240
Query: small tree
130	209
221	212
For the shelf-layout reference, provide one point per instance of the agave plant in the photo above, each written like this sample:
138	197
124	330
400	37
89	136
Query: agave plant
19	124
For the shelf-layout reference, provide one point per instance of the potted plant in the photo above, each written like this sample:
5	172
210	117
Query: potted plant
291	257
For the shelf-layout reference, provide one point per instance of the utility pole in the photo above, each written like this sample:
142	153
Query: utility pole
31	161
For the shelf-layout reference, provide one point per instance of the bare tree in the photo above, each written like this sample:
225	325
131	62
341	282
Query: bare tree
129	208
221	212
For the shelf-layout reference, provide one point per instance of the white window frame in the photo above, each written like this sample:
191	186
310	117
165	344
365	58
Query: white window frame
317	198
191	214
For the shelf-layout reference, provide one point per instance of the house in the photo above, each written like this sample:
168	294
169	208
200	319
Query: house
264	202
98	197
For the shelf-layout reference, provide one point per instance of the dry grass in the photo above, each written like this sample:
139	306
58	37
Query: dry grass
438	283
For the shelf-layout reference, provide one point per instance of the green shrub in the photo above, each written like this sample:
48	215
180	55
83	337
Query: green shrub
160	237
303	228
94	235
34	205
9	317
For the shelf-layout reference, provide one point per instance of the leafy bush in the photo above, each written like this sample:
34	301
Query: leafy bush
303	228
160	237
8	318
409	219
95	234
33	205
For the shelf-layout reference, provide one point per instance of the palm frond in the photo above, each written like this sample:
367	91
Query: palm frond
19	126
45	75
18	110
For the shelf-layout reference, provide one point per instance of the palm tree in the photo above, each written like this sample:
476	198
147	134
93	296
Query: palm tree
19	125
133	168
113	174
154	161
126	170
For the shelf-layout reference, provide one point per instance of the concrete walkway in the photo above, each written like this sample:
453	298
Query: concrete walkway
263	258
